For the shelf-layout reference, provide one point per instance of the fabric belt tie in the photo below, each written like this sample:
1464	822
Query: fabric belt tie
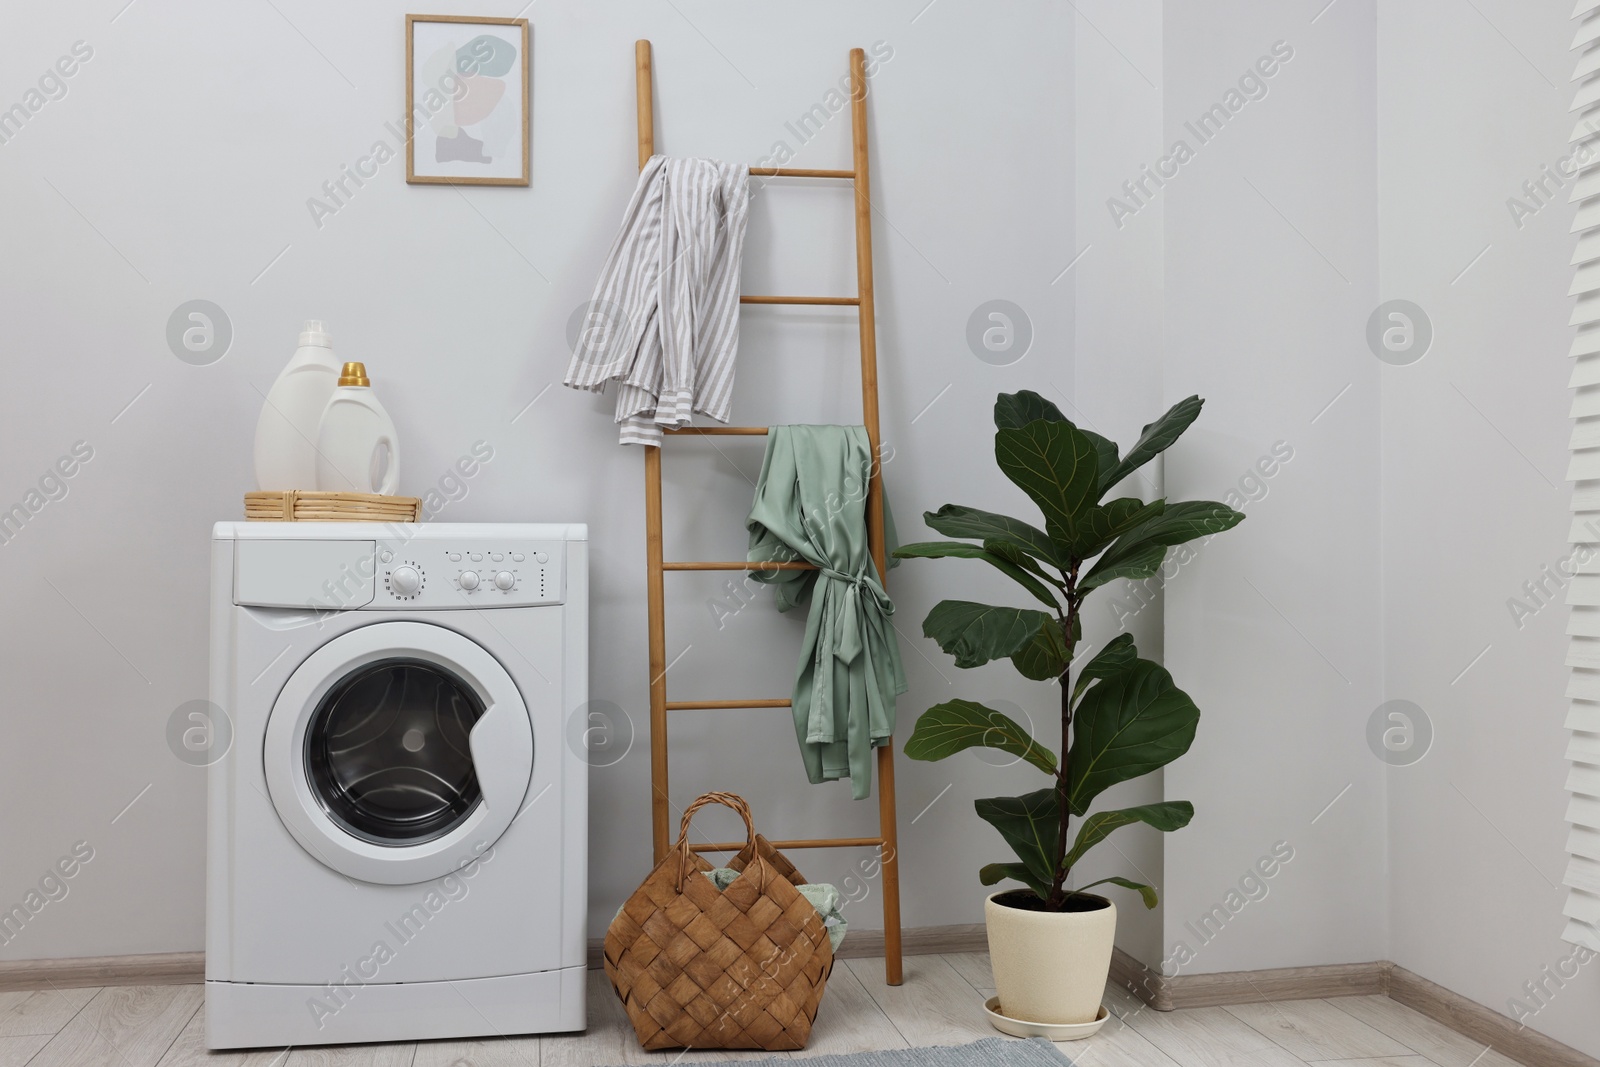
851	644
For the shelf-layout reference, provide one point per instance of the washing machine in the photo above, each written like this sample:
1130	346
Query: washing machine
397	824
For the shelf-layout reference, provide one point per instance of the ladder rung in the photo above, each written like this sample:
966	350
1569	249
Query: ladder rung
701	705
735	565
814	842
850	300
800	172
721	431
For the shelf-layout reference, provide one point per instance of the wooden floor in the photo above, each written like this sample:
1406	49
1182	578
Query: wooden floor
941	1003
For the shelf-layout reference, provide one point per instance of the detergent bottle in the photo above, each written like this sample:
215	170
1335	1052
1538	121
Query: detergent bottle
356	444
286	434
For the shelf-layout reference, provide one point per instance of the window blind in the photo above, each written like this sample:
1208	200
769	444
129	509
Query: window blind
1583	593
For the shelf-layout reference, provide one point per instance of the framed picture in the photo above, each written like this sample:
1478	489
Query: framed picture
467	99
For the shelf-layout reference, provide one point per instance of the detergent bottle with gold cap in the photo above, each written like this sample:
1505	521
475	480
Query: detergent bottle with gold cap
357	451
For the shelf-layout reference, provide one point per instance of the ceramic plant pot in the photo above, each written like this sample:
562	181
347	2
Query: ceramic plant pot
1050	967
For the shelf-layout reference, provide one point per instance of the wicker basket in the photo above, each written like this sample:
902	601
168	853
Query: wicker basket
740	968
299	505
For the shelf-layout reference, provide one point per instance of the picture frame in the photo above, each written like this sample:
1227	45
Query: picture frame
469	97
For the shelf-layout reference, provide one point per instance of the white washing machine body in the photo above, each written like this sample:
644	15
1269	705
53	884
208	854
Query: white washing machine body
397	833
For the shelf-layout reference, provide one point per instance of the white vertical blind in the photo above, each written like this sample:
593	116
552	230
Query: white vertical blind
1583	594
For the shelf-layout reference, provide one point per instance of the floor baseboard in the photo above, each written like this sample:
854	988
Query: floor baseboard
1466	1017
921	941
1169	993
1473	1020
1161	992
163	968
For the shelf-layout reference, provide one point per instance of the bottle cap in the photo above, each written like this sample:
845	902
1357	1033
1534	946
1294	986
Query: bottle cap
354	374
315	333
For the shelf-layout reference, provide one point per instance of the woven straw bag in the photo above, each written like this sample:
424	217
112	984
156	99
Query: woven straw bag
739	968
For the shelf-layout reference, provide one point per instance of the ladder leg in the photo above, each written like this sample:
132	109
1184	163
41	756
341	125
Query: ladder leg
660	825
890	851
867	308
889	854
644	101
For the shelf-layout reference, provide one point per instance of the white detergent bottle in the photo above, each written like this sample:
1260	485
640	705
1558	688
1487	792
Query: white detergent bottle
286	435
356	444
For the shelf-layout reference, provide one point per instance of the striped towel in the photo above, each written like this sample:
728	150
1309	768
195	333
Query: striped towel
664	321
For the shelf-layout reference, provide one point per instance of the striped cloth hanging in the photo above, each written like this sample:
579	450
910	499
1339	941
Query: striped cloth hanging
664	320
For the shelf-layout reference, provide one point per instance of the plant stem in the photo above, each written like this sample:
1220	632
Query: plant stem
1057	899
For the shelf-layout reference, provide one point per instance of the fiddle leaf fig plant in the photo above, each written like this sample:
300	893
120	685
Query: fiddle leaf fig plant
1121	716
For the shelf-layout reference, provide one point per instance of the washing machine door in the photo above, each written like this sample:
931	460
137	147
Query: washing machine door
398	752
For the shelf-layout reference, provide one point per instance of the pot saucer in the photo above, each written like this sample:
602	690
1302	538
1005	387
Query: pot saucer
1053	1031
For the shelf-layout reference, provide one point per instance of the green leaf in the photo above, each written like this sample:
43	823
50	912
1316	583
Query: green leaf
939	550
1117	656
1055	465
1181	522
1155	439
963	550
956	725
1166	816
1105	450
1014	410
1008	551
1045	657
977	633
993	873
954	520
1136	565
1128	725
1145	891
1029	824
1103	523
1138	552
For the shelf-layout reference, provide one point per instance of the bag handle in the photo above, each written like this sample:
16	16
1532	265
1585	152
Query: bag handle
728	800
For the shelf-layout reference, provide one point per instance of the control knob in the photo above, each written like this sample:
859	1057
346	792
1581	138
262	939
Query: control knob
469	580
505	580
405	581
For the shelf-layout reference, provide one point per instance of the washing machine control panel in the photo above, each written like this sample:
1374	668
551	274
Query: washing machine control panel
470	574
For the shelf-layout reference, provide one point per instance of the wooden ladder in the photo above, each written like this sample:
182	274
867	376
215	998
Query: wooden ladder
887	841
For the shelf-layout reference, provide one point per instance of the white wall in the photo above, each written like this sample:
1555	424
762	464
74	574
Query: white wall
1117	276
178	166
1474	443
1414	509
1271	232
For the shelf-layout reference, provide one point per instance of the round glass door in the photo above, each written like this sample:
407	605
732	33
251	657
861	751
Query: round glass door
387	752
397	752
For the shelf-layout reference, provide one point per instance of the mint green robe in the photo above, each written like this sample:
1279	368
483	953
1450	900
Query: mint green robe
810	504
